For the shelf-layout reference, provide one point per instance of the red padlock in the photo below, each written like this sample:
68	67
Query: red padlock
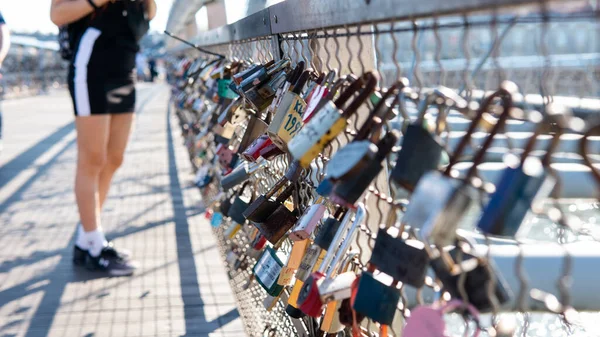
270	151
309	299
259	242
252	152
208	214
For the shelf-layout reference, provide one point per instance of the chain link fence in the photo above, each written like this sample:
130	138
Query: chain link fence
551	55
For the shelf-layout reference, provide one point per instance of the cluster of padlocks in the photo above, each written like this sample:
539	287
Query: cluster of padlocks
240	118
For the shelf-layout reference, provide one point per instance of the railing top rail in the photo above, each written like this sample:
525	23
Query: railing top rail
308	15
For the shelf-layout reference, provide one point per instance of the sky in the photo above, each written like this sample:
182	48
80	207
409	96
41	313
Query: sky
34	15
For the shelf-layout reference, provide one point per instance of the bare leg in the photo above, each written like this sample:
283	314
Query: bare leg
92	141
120	128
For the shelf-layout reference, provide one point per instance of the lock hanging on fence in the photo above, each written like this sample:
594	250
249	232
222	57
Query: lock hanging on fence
525	181
440	201
311	299
422	151
329	122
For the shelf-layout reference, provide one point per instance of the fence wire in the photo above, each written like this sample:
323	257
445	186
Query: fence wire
550	57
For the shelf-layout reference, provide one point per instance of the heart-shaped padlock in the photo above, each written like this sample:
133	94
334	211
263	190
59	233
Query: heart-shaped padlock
428	321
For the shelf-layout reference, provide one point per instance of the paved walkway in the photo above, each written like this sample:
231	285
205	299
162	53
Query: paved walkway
181	288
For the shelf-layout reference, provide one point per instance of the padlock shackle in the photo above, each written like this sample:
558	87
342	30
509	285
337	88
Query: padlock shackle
505	94
386	144
347	261
556	120
287	192
296	73
584	151
299	84
346	232
381	111
329	79
278	185
366	84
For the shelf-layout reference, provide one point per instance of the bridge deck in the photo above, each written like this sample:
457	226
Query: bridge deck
181	288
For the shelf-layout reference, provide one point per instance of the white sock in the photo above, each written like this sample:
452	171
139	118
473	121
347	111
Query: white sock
81	241
94	241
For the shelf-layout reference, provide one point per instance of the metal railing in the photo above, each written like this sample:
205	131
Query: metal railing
468	46
29	70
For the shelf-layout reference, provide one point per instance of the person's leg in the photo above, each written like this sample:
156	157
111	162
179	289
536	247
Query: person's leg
120	128
92	141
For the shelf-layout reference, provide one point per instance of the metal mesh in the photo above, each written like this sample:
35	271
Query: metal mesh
545	55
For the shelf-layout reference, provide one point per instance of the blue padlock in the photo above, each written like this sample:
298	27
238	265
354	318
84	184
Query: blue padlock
524	181
216	219
375	299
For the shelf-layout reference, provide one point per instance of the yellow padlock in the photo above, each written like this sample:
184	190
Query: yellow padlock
287	120
287	273
330	121
292	306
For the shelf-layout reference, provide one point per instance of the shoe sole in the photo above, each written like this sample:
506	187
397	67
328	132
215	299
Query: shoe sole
121	272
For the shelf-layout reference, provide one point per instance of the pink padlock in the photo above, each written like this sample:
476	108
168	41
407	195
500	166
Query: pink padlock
428	321
225	155
308	222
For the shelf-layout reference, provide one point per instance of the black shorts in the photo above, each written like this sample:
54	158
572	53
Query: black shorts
94	89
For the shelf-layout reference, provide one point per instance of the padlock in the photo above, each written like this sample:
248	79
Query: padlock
227	113
259	242
329	228
318	93
330	323
428	321
232	230
292	306
223	134
310	262
477	278
280	220
346	315
227	158
316	252
328	122
239	77
225	205
403	260
347	192
524	182
439	201
310	300
267	270
288	272
223	89
375	299
308	221
239	205
270	151
216	219
253	151
287	119
259	210
357	155
422	151
241	174
249	89
270	88
254	129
